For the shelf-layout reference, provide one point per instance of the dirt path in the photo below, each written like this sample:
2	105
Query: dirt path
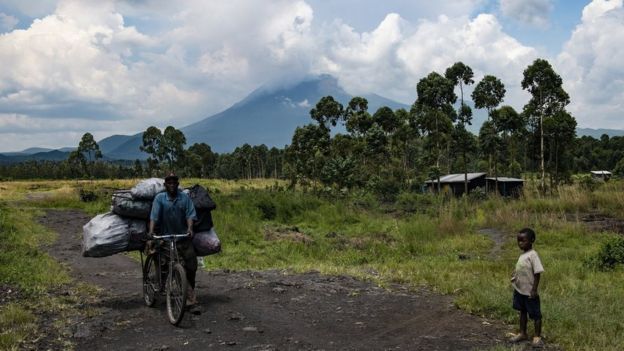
269	310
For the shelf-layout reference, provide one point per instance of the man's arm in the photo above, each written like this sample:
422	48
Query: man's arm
152	224
189	224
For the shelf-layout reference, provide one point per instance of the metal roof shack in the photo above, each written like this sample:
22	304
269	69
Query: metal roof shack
506	186
454	183
604	175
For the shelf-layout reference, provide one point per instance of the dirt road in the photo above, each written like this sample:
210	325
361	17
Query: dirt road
269	310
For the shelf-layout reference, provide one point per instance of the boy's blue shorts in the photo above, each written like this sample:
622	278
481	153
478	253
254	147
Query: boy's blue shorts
525	304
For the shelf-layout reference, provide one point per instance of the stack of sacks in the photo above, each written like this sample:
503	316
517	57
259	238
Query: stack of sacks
205	241
125	227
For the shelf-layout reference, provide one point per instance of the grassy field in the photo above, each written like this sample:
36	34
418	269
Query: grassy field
420	241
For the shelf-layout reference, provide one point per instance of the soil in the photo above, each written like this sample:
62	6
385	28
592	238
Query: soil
268	310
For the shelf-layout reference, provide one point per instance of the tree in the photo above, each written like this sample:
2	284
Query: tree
86	154
547	98
327	111
163	147
489	142
461	74
151	140
172	147
385	118
357	118
307	152
200	160
433	113
560	130
512	126
488	93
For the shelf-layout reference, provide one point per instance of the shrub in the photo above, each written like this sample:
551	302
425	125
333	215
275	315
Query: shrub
610	255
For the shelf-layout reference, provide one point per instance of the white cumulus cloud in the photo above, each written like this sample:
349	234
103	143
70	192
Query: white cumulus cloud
591	66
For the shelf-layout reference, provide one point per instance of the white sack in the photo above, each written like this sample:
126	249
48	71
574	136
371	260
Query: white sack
148	188
108	234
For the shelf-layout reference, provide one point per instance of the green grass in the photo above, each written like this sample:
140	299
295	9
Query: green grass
421	241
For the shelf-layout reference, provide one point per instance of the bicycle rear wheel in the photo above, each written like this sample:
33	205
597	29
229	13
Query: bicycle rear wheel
150	279
177	290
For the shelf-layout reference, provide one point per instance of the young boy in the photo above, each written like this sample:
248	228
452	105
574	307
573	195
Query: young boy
525	280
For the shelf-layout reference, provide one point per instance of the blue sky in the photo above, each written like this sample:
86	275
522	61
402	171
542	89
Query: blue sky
116	67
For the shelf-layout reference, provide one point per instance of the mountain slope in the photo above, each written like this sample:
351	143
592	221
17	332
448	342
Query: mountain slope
270	116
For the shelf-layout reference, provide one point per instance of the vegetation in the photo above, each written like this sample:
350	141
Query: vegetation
420	240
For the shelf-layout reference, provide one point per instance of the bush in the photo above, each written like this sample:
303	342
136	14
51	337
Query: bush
413	202
267	210
610	255
588	183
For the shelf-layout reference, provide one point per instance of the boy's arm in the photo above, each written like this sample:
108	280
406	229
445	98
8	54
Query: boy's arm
536	281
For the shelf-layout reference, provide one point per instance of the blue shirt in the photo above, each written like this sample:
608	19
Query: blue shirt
171	213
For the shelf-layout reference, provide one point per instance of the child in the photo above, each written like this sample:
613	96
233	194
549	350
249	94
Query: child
525	280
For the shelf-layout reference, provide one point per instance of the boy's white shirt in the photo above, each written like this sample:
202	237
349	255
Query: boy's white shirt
528	264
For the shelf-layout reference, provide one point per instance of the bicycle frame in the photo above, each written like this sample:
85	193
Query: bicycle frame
173	249
175	286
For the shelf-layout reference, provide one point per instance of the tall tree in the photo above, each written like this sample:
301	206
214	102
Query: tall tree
327	112
488	93
512	126
560	129
163	147
547	98
433	113
86	154
461	74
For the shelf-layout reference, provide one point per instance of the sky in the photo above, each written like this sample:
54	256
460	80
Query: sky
116	67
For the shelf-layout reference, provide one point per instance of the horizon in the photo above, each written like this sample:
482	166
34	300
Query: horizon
117	67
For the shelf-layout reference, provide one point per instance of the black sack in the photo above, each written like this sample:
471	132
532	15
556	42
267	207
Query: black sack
126	206
203	222
201	199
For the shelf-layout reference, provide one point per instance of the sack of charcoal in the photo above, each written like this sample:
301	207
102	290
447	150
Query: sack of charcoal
127	206
148	188
206	243
108	234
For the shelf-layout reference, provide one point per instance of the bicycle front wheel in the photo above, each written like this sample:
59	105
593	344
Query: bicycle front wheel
177	290
150	279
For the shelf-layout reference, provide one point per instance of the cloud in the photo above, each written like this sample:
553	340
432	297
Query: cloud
591	66
391	59
531	12
7	22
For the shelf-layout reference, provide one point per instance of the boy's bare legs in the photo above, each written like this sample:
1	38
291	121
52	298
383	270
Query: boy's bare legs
538	327
523	324
523	328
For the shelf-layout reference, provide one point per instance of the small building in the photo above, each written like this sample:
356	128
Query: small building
454	183
604	175
508	187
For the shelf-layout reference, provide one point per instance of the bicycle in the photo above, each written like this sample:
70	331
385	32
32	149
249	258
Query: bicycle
175	286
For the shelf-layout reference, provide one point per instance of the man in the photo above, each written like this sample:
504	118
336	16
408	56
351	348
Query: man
174	212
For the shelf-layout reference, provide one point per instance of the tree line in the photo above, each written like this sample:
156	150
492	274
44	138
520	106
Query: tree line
385	151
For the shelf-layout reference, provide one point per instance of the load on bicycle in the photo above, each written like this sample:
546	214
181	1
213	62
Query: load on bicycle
170	225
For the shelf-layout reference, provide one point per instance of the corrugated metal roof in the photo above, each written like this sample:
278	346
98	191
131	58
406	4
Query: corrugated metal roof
456	178
600	172
506	179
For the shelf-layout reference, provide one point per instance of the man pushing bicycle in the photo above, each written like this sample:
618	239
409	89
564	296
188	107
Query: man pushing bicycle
173	212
